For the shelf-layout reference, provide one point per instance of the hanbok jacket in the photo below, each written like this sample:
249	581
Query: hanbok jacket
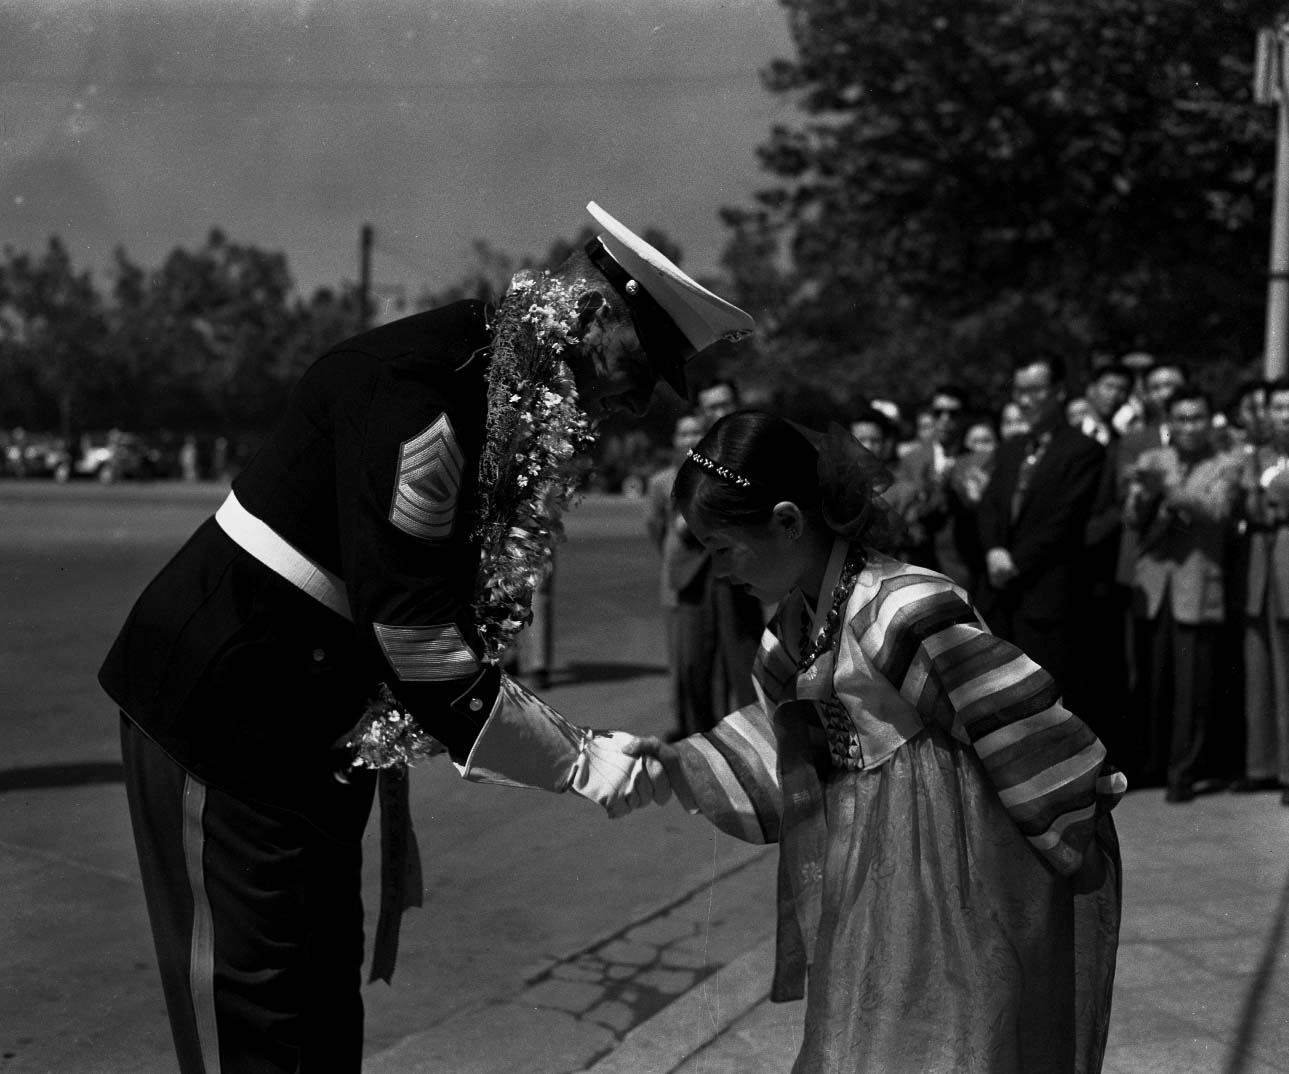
911	653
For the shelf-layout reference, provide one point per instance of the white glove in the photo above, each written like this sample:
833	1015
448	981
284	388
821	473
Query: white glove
607	776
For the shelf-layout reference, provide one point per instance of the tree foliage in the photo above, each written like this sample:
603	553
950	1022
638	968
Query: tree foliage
975	179
211	340
52	336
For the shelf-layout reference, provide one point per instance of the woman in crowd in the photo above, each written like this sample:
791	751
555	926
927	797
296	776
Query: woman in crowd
949	872
963	489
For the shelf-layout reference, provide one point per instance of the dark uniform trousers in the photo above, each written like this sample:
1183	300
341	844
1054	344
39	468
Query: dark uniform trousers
342	560
257	919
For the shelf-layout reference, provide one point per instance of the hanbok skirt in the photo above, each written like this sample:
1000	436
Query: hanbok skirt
946	944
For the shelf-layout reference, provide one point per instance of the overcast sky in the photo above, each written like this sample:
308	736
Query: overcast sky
290	123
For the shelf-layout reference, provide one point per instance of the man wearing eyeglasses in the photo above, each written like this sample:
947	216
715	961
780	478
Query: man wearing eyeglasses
925	469
1032	521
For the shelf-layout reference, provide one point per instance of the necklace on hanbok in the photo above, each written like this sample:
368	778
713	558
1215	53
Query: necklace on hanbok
810	651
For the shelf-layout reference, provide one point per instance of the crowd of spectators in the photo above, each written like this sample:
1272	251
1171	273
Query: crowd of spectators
1132	538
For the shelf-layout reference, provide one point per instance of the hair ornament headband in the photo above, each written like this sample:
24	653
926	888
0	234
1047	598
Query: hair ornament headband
714	467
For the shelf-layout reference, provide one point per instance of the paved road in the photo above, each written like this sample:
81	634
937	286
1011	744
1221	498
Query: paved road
553	941
515	881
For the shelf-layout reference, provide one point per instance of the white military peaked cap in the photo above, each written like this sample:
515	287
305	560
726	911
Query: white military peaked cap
702	317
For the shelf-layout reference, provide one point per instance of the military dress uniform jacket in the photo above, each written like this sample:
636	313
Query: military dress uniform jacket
342	559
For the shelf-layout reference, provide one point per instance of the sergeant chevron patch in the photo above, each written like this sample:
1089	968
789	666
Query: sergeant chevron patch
426	653
429	480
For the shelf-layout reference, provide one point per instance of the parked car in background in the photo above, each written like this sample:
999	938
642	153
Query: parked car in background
33	454
112	456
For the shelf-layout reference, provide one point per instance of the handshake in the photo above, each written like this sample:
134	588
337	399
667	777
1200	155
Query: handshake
526	743
622	772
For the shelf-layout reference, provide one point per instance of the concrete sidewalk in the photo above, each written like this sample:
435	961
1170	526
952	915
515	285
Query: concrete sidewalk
1202	985
1203	977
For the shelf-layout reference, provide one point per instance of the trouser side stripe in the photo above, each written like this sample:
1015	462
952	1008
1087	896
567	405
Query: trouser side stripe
201	958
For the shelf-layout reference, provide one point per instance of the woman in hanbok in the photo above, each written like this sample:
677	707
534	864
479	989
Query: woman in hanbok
949	875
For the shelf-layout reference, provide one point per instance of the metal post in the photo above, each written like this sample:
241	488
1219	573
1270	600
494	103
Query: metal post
537	654
364	277
1269	88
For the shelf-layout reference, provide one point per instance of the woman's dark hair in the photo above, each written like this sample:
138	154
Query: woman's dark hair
766	461
750	460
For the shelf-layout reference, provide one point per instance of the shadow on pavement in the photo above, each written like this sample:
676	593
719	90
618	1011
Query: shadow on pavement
60	775
1254	1007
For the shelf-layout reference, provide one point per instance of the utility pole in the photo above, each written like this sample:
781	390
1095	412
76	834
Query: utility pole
364	277
1269	87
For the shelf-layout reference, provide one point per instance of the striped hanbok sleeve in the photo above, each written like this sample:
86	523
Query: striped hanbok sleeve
731	776
1048	767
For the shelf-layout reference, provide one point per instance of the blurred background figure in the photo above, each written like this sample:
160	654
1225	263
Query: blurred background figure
879	435
1077	411
1132	415
188	468
1156	382
683	563
892	410
1266	603
718	398
963	491
1011	420
1179	502
1108	391
1249	424
1032	520
716	627
925	469
1106	609
923	433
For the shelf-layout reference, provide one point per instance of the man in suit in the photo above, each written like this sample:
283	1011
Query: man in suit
925	469
1033	516
1180	501
685	584
1266	603
719	626
1105	608
345	558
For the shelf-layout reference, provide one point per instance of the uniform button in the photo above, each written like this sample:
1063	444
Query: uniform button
319	656
475	704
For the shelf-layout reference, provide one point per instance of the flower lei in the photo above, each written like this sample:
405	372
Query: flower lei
529	473
531	465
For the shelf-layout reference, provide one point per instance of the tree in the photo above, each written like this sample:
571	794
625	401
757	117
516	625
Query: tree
213	338
980	177
51	333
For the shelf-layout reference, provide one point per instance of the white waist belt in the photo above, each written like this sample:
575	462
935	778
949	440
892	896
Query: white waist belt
281	557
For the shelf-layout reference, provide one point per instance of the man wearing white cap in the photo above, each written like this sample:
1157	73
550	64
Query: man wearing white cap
358	551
